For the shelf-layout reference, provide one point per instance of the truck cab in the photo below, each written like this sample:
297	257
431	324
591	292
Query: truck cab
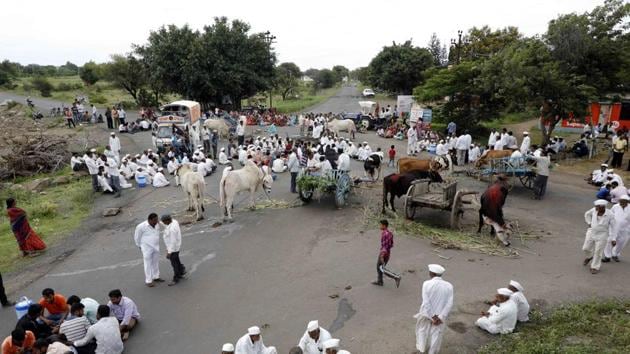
185	115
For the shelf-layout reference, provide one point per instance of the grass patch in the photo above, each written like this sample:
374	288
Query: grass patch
307	99
52	215
508	119
446	238
589	327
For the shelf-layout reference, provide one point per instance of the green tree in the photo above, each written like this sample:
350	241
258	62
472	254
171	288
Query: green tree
326	78
8	72
127	73
399	68
287	78
90	73
340	72
42	85
484	42
68	69
312	73
438	51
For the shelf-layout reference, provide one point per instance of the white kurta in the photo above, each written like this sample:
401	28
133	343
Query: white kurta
522	306
502	318
114	144
601	230
172	237
104	183
412	139
245	346
621	231
159	180
223	159
123	182
147	238
437	299
310	346
525	145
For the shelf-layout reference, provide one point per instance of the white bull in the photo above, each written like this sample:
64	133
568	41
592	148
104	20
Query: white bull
249	178
219	125
338	125
193	185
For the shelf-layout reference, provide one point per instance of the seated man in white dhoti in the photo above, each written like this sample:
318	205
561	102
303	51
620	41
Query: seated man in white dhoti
252	343
123	181
223	158
502	315
103	180
159	180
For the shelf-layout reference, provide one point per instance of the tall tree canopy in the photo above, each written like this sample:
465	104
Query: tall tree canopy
399	68
287	78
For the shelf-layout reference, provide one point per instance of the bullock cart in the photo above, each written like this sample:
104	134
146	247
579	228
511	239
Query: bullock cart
335	182
443	196
511	167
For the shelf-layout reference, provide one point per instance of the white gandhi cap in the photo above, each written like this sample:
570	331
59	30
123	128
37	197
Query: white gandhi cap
343	352
312	326
436	269
252	331
517	285
505	291
624	197
332	344
227	347
601	202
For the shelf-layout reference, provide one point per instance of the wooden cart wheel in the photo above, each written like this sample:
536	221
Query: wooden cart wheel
527	180
457	210
306	195
410	207
342	190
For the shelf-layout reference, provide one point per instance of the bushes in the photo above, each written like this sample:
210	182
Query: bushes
42	85
97	98
68	86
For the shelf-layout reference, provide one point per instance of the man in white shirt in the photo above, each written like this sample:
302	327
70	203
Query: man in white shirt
103	180
240	133
621	213
278	166
106	332
493	138
462	145
172	165
598	177
511	142
76	163
501	317
412	140
173	240
90	162
252	343
312	342
159	180
325	166
437	301
525	143
343	161
601	229
147	238
223	158
317	130
474	153
112	171
522	306
114	144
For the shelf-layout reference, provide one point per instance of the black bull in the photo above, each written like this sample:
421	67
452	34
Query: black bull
397	185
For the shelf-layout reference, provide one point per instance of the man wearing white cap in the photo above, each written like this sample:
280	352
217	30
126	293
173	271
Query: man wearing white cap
343	352
412	140
501	317
252	343
228	348
114	144
90	162
601	230
621	213
312	342
525	143
522	306
331	346
159	180
598	177
437	301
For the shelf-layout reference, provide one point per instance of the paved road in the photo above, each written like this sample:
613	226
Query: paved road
346	100
279	268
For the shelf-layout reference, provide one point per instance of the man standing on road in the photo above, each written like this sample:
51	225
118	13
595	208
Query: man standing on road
293	166
147	238
412	140
601	224
621	212
387	243
3	296
525	143
90	162
542	174
462	145
240	133
108	118
173	241
437	301
114	145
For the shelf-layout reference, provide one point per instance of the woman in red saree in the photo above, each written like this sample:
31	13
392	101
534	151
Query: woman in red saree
27	239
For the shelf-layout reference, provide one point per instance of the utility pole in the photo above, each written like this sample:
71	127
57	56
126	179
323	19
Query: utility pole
269	39
458	45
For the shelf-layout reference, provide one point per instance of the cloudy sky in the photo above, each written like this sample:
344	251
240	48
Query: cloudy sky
316	33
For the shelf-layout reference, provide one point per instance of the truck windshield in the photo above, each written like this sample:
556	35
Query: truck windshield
164	132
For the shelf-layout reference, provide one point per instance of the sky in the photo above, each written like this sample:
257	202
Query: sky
312	34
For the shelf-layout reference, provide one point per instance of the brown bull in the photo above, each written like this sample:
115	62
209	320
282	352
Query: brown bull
492	154
411	164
